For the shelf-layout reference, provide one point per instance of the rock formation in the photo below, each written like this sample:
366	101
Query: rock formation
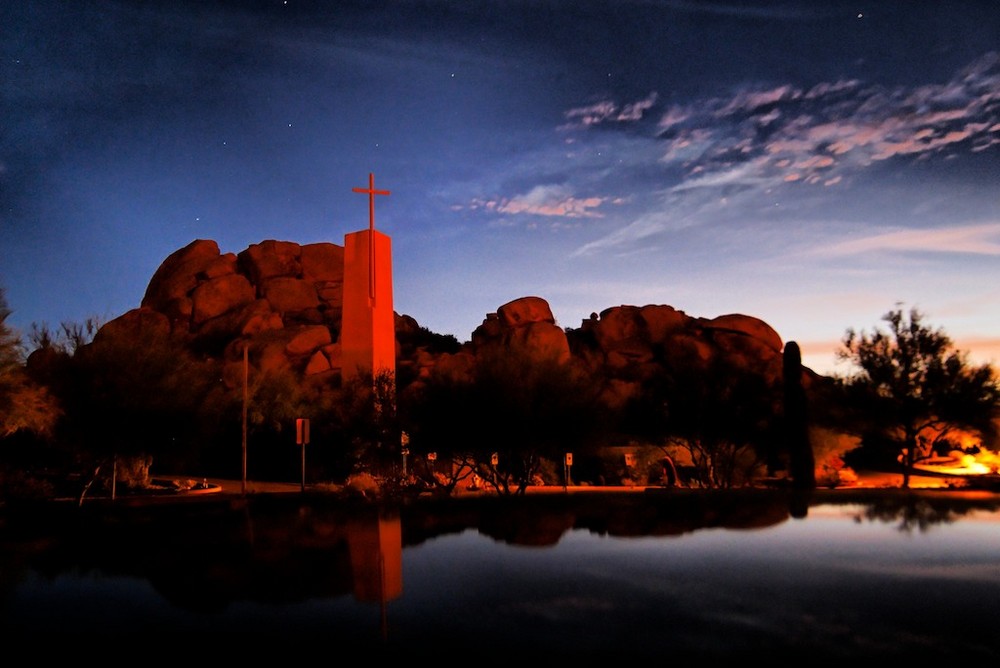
283	301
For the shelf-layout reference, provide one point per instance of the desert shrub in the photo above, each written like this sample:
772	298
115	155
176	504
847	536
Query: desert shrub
362	484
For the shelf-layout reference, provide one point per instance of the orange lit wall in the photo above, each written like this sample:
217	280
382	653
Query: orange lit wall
368	326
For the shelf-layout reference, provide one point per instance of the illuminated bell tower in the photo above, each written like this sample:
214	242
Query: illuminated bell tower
368	325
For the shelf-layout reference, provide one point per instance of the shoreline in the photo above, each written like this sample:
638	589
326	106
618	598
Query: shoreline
168	490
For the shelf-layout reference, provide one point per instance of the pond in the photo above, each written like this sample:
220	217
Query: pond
593	578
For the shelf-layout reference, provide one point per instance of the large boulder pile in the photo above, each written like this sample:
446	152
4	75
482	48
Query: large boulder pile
270	285
627	345
282	302
525	325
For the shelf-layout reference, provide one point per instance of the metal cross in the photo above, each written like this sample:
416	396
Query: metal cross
371	230
371	198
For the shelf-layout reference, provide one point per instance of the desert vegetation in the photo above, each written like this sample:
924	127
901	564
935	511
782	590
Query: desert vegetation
90	405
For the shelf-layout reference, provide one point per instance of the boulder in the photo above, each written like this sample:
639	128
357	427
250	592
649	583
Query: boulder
322	262
525	310
318	363
246	319
662	321
525	325
490	330
269	259
624	331
289	295
331	293
305	340
178	275
258	317
220	295
748	325
141	324
540	340
687	348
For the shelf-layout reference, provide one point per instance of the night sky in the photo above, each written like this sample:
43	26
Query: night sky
812	164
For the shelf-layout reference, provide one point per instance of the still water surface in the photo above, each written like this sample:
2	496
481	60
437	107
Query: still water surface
643	577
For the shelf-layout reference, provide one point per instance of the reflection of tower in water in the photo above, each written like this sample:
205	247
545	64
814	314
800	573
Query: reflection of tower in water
375	544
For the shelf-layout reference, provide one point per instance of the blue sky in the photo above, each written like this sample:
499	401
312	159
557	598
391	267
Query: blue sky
809	164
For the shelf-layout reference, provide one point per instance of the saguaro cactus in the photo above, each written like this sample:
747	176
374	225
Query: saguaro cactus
801	462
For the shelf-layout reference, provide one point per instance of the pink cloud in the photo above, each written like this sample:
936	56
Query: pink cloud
749	101
634	111
674	116
569	207
594	114
554	201
607	110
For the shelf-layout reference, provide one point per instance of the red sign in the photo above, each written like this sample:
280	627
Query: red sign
302	431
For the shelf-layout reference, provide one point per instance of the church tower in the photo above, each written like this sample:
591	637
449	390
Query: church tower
368	324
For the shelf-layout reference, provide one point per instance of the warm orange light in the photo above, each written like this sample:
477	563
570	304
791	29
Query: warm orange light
961	463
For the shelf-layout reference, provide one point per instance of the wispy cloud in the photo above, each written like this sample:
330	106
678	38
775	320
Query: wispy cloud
971	239
744	174
645	227
736	156
749	102
608	111
749	148
833	129
549	200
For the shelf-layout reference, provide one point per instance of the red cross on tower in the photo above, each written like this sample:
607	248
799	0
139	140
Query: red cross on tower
370	190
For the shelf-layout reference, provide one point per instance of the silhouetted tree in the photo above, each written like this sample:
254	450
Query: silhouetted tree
520	407
69	338
29	413
275	399
367	416
437	412
24	404
721	415
911	384
125	396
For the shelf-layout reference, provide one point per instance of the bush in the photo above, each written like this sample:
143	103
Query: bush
362	484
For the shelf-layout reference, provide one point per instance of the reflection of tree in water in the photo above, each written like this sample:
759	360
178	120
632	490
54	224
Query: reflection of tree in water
918	512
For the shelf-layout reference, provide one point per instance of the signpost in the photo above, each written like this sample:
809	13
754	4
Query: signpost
302	438
404	442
